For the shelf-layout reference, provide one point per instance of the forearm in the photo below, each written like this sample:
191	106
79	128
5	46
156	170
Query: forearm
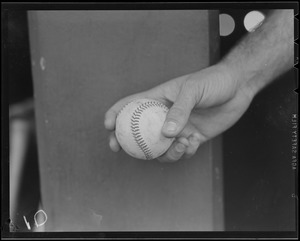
263	54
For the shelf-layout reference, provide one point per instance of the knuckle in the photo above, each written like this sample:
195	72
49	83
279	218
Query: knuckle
191	87
176	110
170	156
174	155
190	151
195	140
176	113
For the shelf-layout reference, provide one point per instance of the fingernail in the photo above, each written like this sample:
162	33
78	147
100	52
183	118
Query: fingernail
171	126
180	147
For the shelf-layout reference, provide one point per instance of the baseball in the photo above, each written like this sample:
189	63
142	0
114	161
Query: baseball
138	129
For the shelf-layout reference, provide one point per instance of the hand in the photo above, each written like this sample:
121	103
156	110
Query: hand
202	105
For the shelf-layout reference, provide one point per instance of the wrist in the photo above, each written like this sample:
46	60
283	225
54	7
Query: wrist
242	80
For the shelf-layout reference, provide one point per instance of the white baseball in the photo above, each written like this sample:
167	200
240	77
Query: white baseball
138	129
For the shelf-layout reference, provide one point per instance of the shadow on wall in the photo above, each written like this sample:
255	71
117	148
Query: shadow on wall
24	173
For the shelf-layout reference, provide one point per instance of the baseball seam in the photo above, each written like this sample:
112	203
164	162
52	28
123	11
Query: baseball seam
135	127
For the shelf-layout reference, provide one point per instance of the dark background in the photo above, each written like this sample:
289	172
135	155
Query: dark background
258	177
20	91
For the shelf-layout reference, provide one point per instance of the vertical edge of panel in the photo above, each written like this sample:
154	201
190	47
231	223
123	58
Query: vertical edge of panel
216	143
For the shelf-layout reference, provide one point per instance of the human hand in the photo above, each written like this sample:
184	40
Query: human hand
202	105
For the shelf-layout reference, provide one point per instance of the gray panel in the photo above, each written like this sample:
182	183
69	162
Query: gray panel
83	62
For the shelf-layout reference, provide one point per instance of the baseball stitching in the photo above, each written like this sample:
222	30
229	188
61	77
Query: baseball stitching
135	127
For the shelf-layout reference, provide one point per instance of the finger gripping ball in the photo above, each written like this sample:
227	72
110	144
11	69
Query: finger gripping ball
138	129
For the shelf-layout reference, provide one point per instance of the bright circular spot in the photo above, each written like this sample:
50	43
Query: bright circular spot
226	24
253	20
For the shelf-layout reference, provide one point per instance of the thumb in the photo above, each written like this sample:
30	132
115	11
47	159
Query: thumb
179	113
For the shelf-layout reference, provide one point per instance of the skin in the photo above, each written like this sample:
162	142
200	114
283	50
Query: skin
206	103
